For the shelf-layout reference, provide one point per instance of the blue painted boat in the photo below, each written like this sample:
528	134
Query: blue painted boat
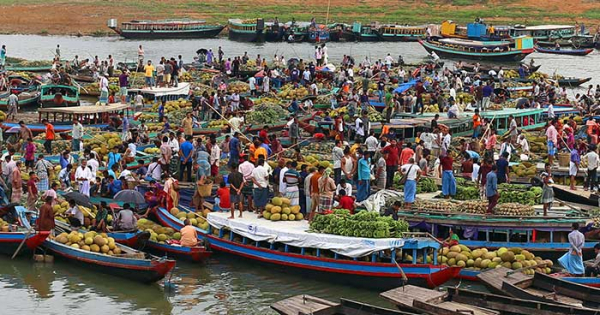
10	241
571	52
193	254
133	265
367	272
126	238
497	51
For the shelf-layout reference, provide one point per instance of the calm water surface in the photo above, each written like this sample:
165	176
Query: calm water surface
225	285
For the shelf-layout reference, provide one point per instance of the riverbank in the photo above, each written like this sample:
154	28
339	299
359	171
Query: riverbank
85	17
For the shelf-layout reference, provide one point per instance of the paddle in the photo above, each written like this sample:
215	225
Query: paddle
21	245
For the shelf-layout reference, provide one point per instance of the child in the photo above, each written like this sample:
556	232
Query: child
346	202
224	199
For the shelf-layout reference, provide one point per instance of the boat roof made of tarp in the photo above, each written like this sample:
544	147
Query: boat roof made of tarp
473	43
83	110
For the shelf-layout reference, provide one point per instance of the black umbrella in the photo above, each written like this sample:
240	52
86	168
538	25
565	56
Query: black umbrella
201	51
79	199
130	196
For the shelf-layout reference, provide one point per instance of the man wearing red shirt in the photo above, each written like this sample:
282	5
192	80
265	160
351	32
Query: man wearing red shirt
448	180
346	202
50	135
406	154
419	104
391	156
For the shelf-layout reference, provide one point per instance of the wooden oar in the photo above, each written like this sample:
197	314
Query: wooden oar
22	242
223	117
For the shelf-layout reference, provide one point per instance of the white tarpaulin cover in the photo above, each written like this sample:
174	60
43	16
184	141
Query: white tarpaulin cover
376	202
183	88
295	233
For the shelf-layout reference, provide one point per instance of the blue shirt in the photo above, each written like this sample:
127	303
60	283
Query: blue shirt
268	148
161	110
487	91
233	146
63	162
491	184
125	124
113	158
575	158
114	187
502	164
364	173
474	155
294	106
186	148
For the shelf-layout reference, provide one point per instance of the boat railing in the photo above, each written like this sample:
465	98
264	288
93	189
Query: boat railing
409	252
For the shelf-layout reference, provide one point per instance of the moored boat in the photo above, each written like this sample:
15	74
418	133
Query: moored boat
194	254
548	33
401	33
365	33
246	30
27	100
307	304
562	51
539	288
512	305
423	300
11	241
365	271
52	95
470	67
340	32
132	264
499	51
165	29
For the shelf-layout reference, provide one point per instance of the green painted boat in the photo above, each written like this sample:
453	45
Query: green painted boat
54	95
18	68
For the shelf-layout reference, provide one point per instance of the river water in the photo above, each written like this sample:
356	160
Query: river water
225	285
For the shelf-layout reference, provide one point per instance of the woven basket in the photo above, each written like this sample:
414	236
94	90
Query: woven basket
563	159
205	190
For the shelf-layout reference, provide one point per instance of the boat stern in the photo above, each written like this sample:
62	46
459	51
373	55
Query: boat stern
442	275
37	239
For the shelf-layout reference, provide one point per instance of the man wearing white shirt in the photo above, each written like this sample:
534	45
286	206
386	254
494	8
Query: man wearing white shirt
360	129
94	164
388	61
306	75
103	89
372	143
252	85
84	176
173	143
282	183
401	74
453	93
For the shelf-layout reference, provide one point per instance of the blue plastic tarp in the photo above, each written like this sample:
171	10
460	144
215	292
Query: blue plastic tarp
405	86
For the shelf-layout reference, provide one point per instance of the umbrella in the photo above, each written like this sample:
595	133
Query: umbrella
13	130
201	51
130	196
79	199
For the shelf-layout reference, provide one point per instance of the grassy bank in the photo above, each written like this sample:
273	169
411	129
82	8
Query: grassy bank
89	17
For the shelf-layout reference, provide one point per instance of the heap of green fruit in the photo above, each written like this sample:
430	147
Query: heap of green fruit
424	185
473	207
515	193
363	224
482	258
279	209
265	114
90	241
196	219
157	232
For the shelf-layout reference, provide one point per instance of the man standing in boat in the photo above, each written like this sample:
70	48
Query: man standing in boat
572	260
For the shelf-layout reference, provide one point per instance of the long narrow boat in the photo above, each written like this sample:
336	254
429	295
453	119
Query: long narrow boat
246	30
511	305
165	29
132	265
364	33
194	254
537	288
470	67
38	128
423	300
576	196
401	33
126	238
307	304
571	52
498	51
24	68
545	237
366	272
27	100
52	95
471	275
23	235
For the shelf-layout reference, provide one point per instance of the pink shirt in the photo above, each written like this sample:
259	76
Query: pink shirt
491	142
552	134
29	151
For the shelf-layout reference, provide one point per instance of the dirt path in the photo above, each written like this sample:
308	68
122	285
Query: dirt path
87	17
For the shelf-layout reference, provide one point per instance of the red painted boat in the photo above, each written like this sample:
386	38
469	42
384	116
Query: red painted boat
194	254
10	241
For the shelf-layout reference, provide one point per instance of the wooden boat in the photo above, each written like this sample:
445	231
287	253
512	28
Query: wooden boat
194	254
422	300
470	67
498	51
165	29
83	78
340	32
23	68
471	275
572	52
549	240
365	33
10	242
167	93
132	265
366	272
52	95
539	288
543	32
566	82
401	33
575	196
129	239
19	84
246	30
308	304
509	305
27	100
318	34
